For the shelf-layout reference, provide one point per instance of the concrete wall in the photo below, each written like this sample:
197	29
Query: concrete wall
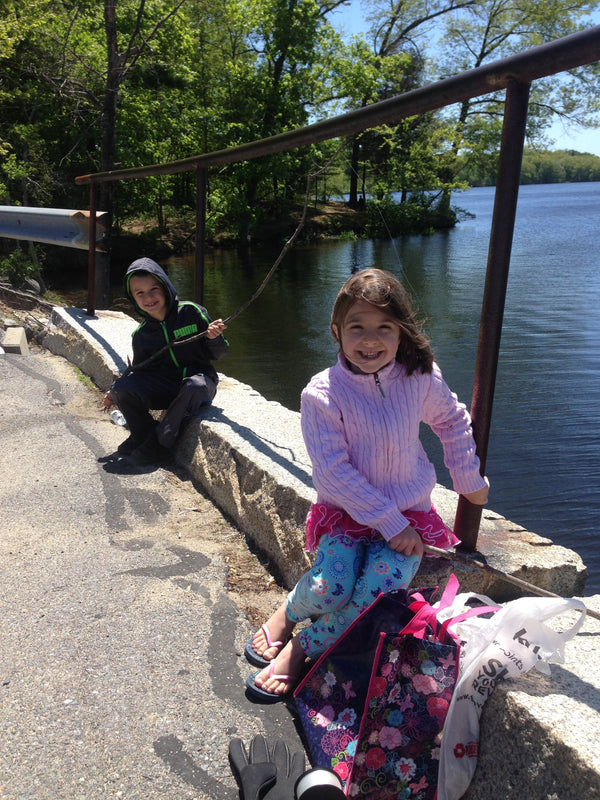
538	734
249	456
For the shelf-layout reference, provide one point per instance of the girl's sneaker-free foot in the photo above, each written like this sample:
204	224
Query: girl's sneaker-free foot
279	679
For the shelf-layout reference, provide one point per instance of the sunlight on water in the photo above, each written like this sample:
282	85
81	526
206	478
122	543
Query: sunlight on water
543	458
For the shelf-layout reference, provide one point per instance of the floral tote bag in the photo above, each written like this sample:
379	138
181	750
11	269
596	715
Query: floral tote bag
374	705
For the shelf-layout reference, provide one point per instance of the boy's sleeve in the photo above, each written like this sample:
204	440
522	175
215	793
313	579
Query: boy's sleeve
216	348
139	354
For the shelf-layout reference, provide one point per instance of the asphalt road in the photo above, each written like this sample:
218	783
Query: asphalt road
121	644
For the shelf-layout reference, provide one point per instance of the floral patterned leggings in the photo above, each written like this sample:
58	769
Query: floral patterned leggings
347	575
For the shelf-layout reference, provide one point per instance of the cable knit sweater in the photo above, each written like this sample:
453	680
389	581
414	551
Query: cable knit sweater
362	436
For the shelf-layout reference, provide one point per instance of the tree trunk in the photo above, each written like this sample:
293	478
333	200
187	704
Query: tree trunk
107	146
353	198
444	204
109	105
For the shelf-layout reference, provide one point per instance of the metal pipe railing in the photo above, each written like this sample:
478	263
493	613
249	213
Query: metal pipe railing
515	74
468	516
201	192
539	62
91	302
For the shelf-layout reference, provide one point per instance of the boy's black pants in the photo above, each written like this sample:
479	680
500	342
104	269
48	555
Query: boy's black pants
137	393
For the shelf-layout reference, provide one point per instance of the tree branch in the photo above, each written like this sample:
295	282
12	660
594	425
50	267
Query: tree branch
261	288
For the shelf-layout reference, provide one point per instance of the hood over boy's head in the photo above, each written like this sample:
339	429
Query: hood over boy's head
149	274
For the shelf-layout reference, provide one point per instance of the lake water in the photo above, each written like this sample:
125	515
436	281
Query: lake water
544	451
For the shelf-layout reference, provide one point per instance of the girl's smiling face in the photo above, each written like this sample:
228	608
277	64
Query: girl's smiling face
369	337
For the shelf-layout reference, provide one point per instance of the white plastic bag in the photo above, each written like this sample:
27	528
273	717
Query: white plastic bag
509	644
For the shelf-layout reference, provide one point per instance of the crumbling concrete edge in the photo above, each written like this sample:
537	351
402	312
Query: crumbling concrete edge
80	339
270	512
248	455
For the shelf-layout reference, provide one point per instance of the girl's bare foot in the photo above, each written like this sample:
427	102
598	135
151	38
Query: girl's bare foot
268	643
283	673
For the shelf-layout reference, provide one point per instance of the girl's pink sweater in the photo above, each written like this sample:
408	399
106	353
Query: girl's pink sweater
362	436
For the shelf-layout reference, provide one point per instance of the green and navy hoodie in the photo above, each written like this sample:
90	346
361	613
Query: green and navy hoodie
182	320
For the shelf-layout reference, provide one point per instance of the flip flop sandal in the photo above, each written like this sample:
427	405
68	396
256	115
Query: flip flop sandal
253	657
259	695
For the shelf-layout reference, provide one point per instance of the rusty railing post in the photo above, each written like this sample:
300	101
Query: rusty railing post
468	516
201	184
91	303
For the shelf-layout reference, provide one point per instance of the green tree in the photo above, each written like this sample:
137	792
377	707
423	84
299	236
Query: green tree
127	40
268	87
25	170
542	166
393	63
488	30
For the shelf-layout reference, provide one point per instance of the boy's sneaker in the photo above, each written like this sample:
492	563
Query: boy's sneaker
127	446
150	452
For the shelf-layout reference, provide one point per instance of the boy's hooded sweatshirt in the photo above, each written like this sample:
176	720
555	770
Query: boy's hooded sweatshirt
182	320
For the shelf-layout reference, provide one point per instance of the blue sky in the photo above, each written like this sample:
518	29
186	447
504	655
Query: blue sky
351	19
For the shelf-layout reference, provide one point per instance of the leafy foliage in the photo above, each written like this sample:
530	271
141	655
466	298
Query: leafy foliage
539	166
488	30
88	86
559	167
18	266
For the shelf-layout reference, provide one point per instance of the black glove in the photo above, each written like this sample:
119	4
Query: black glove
255	771
288	771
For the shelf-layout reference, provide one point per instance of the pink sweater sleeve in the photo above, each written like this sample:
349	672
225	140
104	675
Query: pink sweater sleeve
364	444
451	422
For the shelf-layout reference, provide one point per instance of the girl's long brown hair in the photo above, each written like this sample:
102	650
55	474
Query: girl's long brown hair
384	290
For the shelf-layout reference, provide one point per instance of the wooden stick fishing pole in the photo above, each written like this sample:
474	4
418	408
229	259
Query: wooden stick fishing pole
260	289
467	560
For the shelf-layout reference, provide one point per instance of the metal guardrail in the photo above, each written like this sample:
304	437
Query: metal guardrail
515	74
53	226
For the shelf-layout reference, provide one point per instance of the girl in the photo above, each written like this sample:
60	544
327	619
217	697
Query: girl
360	422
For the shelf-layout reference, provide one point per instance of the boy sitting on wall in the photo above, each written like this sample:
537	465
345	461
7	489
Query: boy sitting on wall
181	380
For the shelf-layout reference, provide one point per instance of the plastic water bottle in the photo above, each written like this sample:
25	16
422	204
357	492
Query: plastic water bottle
117	417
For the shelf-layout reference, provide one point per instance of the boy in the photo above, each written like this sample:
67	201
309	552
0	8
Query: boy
182	379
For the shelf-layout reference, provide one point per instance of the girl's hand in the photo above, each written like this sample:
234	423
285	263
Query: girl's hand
215	329
408	542
479	498
107	401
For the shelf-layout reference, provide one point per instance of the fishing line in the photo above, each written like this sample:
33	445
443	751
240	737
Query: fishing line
470	560
309	181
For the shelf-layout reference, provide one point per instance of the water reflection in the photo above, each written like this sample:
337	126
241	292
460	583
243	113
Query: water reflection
543	453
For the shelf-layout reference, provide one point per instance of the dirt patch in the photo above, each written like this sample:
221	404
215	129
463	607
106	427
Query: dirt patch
26	311
248	577
248	574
